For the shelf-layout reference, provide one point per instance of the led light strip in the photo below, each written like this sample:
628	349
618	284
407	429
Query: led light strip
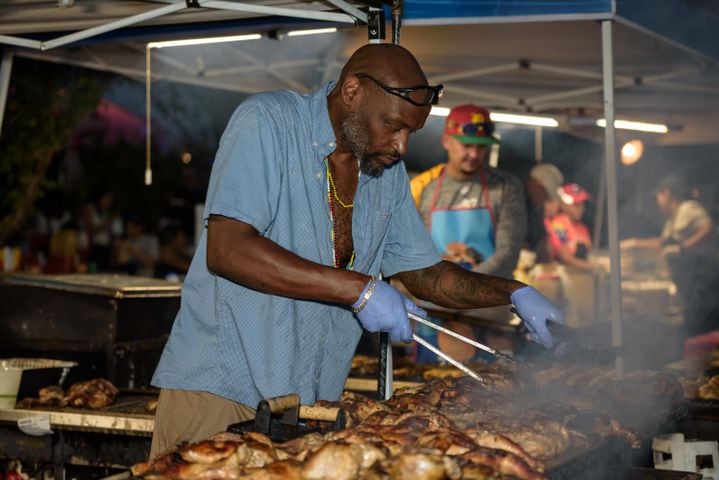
638	126
507	118
316	31
204	41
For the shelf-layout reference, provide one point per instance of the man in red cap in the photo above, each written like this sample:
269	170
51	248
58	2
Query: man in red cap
476	214
569	239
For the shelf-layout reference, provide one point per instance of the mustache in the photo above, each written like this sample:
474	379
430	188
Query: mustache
393	155
372	165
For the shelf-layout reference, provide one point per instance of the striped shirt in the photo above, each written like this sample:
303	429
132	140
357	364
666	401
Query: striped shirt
246	345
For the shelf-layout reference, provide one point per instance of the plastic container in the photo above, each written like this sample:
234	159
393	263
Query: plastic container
672	452
9	384
11	375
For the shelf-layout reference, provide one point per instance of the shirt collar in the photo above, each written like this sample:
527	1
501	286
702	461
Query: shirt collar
323	135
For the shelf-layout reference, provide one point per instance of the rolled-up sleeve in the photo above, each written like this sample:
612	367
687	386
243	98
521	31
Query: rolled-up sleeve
246	178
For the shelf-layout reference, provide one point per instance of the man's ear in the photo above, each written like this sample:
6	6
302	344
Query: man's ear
445	141
350	89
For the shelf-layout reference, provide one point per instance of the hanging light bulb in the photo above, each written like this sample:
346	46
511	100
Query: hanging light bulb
632	151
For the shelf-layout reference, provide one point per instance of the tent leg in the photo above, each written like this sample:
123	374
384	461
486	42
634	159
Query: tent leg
600	206
610	161
537	144
148	115
5	69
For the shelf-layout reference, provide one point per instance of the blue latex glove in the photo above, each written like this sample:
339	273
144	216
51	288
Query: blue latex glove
386	311
534	310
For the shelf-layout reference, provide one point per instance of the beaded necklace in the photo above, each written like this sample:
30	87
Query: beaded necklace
331	190
334	189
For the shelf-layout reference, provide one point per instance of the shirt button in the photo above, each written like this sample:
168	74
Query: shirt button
315	144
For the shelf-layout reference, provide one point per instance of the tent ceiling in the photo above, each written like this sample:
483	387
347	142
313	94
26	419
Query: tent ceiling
551	68
18	17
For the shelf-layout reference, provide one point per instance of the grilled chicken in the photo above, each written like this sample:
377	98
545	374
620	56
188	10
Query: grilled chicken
95	394
447	428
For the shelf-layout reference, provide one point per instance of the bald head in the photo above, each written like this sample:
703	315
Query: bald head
372	125
388	63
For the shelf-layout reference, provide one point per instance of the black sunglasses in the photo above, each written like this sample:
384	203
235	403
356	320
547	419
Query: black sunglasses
421	95
472	129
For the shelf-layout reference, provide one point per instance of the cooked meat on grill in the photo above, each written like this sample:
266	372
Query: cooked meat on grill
608	427
447	440
262	450
497	441
339	461
420	466
94	394
418	420
151	405
209	451
703	387
300	447
449	428
541	439
411	371
475	471
356	406
220	456
708	392
442	372
52	395
224	469
503	462
280	470
364	365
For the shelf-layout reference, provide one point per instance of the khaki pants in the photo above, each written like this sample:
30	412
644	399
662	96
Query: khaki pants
189	416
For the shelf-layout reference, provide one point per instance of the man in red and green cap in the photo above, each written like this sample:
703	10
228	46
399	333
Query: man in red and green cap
476	214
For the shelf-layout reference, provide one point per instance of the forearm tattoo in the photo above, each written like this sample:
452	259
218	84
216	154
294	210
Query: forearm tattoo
451	286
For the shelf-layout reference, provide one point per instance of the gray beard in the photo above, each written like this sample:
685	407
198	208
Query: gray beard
354	134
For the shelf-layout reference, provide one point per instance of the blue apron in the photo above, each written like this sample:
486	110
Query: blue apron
472	226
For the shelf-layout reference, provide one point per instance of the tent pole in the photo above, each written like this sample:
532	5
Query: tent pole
601	204
5	69
148	115
610	161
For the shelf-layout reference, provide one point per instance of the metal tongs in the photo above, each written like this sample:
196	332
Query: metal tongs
570	340
456	335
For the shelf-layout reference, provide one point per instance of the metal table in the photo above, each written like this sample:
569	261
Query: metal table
113	438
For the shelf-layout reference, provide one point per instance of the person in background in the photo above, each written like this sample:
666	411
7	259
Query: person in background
475	213
51	216
66	246
543	203
103	226
688	245
569	240
138	251
308	203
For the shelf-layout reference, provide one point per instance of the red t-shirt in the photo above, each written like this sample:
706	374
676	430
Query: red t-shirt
562	231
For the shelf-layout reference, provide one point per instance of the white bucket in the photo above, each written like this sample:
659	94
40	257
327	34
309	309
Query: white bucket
9	384
11	374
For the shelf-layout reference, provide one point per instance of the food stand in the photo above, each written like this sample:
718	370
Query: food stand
115	326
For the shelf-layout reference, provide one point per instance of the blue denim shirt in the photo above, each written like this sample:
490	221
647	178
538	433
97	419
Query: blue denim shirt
246	345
